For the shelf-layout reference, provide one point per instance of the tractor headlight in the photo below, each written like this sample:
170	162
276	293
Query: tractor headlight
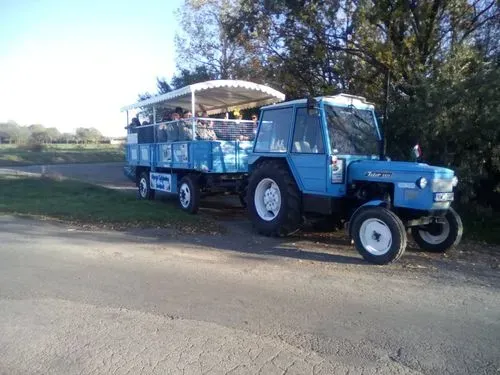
454	181
422	182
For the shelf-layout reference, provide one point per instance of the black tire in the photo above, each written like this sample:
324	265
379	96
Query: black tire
144	190
189	194
430	237
287	220
385	219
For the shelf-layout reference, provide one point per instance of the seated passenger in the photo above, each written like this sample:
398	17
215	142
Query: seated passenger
186	128
161	133
248	131
172	127
226	131
205	132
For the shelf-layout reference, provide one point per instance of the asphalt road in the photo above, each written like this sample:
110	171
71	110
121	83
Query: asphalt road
153	301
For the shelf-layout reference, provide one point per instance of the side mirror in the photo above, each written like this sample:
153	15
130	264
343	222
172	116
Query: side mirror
311	106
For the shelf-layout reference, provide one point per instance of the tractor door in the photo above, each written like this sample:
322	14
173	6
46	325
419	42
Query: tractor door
308	152
340	153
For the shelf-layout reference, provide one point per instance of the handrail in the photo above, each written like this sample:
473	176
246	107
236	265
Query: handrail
198	128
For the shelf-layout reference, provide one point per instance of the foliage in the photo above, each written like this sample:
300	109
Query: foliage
87	135
203	40
12	133
187	77
441	56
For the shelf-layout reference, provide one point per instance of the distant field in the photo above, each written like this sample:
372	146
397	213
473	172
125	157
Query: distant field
14	155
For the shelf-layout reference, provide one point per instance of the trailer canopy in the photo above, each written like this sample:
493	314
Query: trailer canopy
215	97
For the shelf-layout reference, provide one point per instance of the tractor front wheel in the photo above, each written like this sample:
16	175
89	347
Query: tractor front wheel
379	235
439	237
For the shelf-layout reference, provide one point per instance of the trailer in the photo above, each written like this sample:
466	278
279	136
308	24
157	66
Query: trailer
194	156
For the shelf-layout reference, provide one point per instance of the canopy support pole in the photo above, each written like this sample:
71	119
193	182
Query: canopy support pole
193	114
128	128
154	124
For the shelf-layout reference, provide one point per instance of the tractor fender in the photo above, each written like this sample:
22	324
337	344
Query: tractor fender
372	203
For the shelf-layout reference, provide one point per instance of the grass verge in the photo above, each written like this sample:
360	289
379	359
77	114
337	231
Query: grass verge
60	154
89	205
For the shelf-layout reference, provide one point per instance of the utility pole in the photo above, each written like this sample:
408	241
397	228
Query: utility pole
386	110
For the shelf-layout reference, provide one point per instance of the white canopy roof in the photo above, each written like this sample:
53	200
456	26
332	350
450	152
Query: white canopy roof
215	97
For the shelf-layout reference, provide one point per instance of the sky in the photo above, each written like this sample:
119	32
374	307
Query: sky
74	63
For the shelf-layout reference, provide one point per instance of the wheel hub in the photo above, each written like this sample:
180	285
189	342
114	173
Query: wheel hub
185	195
271	199
375	236
267	199
143	187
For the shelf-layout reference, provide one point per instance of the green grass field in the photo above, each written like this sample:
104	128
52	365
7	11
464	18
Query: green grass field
82	203
13	155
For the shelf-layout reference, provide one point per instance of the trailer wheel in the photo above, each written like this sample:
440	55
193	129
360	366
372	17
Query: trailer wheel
439	237
144	187
189	194
379	235
273	200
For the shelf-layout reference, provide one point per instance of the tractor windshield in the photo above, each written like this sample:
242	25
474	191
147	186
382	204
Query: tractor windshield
352	131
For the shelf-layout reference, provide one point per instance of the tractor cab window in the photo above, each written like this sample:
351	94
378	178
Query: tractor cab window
307	137
274	130
351	131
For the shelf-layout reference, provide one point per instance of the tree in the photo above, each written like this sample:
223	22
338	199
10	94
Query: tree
13	133
52	134
318	47
88	135
39	137
188	77
67	138
204	41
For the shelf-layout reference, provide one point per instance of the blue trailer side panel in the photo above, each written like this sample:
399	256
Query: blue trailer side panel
204	156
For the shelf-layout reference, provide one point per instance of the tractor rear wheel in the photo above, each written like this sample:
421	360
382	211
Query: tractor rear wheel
379	235
273	200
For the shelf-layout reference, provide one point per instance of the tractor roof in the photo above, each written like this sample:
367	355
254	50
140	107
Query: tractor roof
340	99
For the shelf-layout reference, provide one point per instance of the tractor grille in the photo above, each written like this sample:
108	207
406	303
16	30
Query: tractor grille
442	185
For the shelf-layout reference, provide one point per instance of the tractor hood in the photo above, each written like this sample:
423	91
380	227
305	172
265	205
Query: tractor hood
395	171
416	185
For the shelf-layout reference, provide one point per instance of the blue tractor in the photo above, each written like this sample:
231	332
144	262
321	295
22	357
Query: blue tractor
320	157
